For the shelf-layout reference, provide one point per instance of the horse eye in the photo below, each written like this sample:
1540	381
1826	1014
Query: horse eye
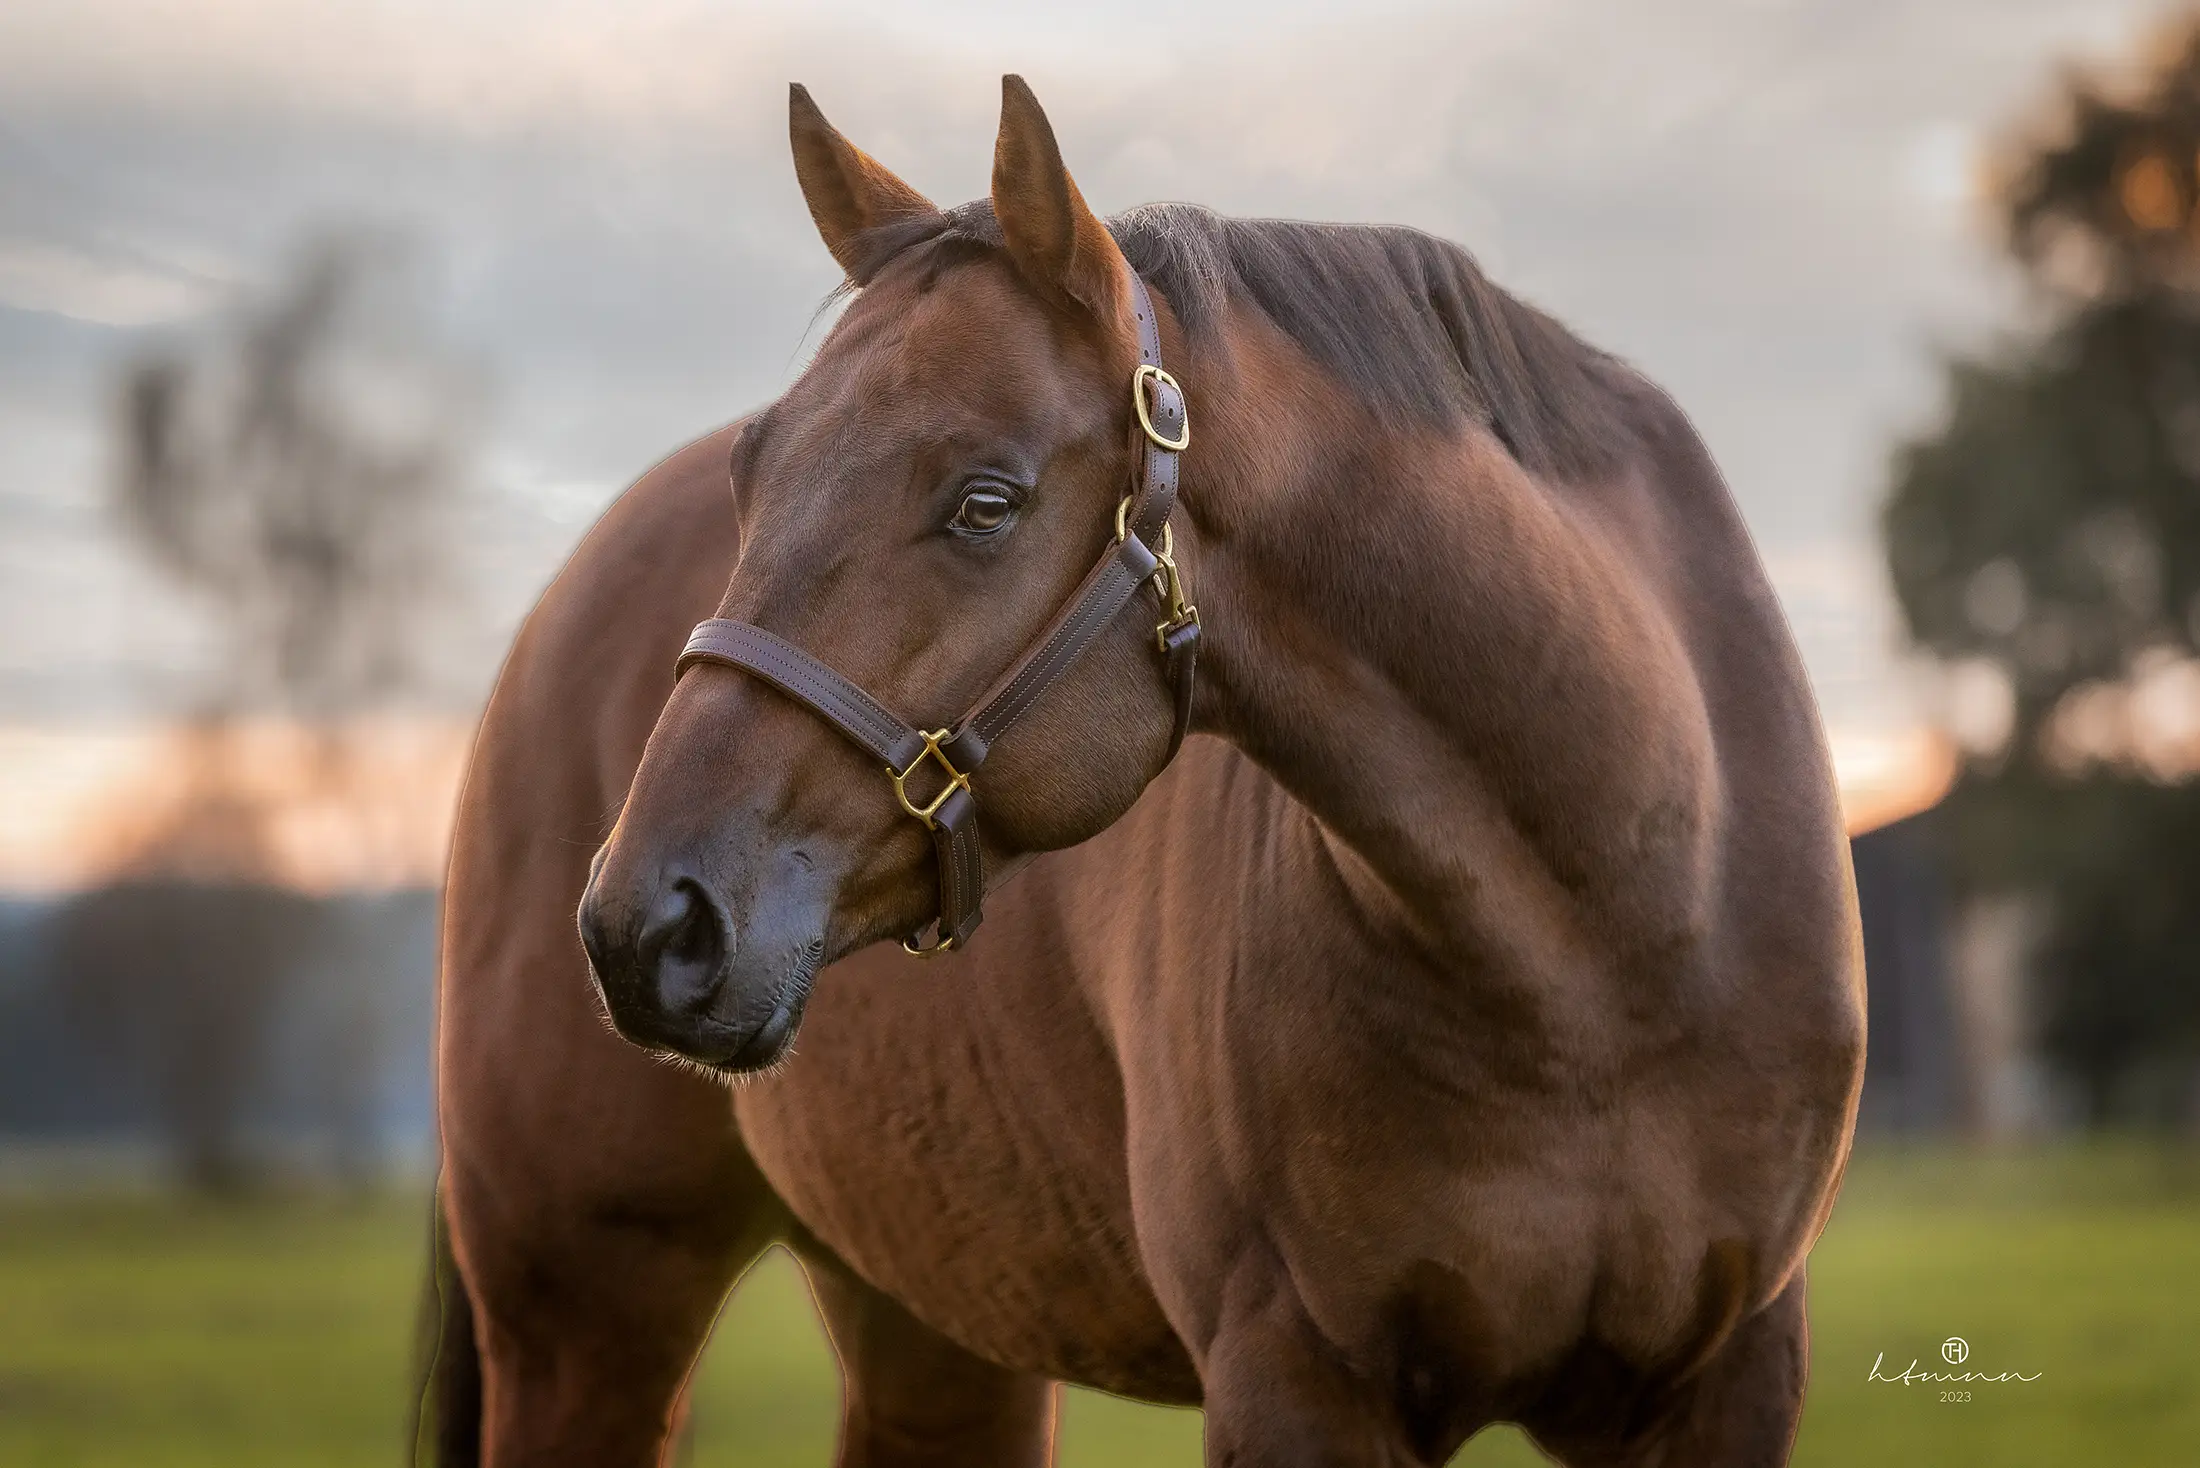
982	512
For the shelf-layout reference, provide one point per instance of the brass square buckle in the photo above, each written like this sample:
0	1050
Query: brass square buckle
1145	417
956	779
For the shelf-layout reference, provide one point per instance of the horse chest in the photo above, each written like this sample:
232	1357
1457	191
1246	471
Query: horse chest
973	1174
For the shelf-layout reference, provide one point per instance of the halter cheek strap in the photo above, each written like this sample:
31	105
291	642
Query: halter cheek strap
1142	551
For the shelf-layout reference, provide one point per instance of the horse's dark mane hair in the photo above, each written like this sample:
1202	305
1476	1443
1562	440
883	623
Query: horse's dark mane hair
1407	320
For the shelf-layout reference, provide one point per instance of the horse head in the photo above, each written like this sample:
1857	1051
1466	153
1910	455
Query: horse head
924	504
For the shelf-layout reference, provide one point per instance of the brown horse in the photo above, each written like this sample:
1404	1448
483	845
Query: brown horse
1466	1027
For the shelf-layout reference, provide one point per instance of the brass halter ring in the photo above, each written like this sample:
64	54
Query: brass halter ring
1145	418
909	946
1163	552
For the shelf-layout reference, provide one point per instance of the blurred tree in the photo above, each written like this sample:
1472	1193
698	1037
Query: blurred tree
290	468
293	473
2045	547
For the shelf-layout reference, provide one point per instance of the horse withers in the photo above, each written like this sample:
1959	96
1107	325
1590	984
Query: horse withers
1465	1026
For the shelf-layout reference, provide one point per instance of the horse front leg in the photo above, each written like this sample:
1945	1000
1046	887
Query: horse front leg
589	1315
911	1398
1740	1410
1279	1395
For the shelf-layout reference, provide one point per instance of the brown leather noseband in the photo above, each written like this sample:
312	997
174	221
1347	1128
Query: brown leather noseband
1141	552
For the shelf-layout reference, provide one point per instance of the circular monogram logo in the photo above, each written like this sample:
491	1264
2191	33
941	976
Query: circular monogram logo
1954	1349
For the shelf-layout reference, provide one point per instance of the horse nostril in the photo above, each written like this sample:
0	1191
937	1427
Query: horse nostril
684	928
683	943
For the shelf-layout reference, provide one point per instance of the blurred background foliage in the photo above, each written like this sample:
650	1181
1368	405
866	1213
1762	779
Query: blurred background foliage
2045	547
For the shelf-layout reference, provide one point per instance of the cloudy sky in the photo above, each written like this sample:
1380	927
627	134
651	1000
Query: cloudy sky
1767	204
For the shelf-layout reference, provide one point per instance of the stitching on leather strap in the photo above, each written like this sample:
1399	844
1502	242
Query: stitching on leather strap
1109	585
778	658
854	712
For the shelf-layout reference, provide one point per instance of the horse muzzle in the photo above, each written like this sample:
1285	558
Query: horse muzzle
680	973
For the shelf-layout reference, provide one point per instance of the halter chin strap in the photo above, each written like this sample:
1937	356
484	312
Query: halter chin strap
1142	551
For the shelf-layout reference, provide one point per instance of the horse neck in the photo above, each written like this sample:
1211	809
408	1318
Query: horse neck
1450	665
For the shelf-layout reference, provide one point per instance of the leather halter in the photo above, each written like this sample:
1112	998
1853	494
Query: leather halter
1142	551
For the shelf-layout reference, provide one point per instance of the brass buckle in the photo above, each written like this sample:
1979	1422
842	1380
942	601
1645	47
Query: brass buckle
1145	417
956	779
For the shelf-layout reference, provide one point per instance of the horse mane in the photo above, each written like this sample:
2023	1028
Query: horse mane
1406	320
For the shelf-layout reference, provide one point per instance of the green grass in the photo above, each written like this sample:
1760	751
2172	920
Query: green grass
2082	1267
154	1332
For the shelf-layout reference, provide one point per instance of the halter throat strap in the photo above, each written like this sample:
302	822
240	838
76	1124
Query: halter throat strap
1142	552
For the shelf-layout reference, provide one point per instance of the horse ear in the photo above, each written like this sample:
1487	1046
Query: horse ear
1055	239
848	190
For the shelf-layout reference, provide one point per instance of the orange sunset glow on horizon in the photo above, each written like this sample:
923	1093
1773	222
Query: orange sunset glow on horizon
81	805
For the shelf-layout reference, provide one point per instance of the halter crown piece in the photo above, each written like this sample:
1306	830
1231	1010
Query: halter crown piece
1142	551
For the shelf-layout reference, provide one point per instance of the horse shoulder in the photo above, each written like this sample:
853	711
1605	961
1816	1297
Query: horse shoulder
526	1064
1759	1081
